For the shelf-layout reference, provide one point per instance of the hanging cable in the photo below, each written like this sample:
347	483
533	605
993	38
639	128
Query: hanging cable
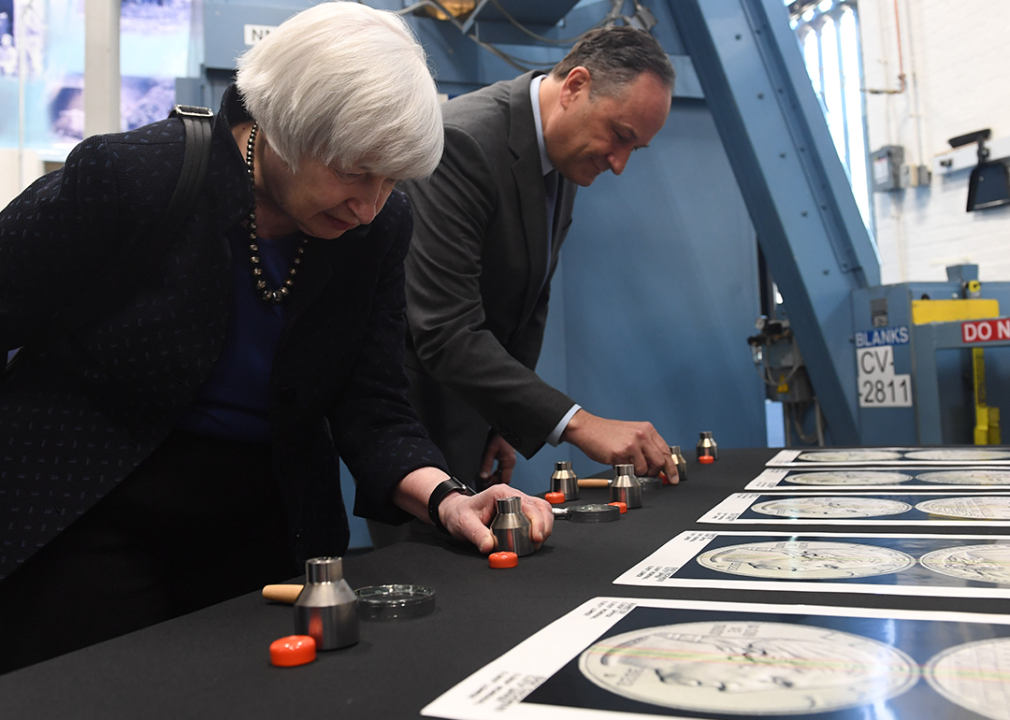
518	63
614	14
798	426
522	64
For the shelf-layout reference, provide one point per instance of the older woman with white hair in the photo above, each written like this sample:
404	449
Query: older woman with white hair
181	446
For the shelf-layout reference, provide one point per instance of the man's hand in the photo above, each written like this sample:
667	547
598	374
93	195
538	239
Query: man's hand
505	454
614	442
468	517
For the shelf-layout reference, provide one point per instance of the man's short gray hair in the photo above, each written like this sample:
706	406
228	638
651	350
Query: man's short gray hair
348	86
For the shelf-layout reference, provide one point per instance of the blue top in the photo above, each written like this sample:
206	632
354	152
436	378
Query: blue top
234	401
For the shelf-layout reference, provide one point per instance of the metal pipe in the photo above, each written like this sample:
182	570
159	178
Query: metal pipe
101	67
901	62
19	20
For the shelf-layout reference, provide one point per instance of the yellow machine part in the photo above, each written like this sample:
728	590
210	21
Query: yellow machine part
929	311
987	430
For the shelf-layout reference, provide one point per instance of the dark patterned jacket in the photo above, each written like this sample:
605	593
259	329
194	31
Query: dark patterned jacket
79	413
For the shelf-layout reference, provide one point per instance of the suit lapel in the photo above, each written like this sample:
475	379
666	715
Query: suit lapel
527	174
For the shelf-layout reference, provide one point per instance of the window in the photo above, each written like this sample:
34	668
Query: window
47	38
828	32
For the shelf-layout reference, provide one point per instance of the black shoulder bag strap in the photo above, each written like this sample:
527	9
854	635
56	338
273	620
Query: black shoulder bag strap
130	266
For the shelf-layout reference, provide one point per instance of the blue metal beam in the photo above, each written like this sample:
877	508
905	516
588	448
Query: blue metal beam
797	193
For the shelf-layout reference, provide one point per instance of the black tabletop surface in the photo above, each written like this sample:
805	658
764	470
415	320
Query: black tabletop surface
215	663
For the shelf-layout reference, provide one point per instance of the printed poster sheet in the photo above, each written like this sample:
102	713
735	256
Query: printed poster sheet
976	566
888	456
903	478
905	509
621	658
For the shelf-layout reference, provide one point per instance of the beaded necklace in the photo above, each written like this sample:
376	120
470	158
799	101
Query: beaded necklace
272	296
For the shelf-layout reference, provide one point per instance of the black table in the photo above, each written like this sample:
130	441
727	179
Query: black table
215	663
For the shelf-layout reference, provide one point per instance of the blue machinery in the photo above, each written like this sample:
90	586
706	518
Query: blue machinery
817	248
746	154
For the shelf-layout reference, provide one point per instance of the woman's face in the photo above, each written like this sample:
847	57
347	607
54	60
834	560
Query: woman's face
318	200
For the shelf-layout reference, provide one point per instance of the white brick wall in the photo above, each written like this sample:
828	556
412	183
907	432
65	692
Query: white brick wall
958	71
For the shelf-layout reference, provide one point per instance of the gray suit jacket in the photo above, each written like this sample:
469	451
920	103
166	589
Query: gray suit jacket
478	272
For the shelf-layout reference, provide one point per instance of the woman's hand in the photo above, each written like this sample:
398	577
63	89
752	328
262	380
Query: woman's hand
468	517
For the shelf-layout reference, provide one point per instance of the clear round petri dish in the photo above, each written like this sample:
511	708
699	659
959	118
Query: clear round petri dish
394	602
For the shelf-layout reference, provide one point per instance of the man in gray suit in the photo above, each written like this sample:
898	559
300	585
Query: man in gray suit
488	226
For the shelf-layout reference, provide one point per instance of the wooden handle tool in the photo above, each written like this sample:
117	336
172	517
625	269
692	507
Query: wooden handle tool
594	482
282	593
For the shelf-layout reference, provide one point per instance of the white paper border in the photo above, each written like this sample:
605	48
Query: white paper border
730	509
657	569
787	458
773	478
547	651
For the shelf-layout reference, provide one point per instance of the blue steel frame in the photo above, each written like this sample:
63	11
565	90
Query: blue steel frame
751	70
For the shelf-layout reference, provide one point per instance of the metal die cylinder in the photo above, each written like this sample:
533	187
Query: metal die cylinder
511	527
625	487
327	608
678	457
565	481
707	447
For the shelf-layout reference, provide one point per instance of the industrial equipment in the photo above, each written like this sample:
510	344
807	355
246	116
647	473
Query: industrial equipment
849	360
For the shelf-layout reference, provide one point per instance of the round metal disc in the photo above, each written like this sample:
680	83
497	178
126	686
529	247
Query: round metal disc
594	513
394	602
650	483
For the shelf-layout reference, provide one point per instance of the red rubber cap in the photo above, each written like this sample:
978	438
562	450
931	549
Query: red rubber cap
555	498
706	459
502	560
623	507
292	650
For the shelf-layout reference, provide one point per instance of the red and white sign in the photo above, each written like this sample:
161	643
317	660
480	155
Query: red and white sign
985	330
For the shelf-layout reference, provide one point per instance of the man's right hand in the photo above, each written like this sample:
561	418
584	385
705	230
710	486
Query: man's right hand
497	449
614	442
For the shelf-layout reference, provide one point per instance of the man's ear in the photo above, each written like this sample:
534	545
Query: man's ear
575	85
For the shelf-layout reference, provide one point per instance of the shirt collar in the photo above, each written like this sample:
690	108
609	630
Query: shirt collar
545	163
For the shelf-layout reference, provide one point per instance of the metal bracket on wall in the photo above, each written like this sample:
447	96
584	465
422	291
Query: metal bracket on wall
966	157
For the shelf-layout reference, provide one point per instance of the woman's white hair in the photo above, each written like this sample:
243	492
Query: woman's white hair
346	85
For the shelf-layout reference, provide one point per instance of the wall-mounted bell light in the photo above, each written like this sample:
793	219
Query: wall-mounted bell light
989	184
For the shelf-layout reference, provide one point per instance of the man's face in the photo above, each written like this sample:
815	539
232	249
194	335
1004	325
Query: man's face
592	135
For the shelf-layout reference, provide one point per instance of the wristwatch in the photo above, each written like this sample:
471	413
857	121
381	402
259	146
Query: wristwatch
438	495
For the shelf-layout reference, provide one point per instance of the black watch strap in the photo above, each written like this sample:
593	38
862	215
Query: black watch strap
438	495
